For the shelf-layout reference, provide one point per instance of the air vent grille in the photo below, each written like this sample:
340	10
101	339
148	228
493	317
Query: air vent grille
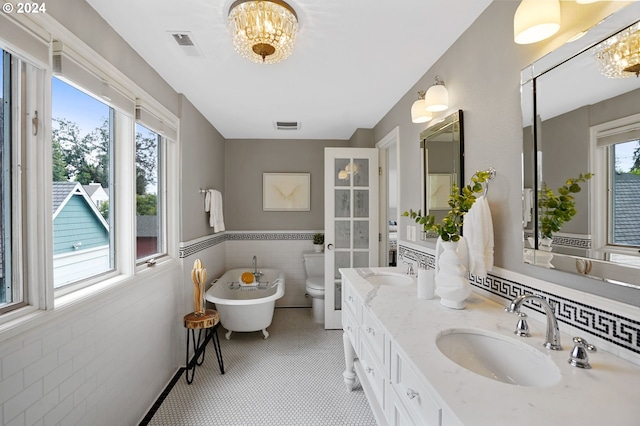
287	125
184	39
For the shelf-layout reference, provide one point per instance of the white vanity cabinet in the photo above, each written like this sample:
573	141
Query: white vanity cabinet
397	395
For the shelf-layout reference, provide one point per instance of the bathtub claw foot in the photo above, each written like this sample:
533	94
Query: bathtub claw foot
265	332
227	335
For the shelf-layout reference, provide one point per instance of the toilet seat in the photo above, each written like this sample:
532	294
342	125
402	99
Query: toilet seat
315	283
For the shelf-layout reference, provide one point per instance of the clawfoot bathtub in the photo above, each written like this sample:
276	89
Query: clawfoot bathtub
246	307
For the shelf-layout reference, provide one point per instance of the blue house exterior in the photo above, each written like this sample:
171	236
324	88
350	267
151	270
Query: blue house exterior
76	220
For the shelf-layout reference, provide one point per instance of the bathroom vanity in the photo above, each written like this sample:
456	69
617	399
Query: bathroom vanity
396	344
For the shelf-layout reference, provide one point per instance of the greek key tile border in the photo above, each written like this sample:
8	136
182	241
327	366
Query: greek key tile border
424	260
270	236
213	240
614	328
568	241
191	249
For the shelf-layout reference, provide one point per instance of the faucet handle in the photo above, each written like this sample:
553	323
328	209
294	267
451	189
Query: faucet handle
522	328
579	357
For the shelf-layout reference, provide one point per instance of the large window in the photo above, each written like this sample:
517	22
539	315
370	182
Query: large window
83	190
624	201
149	235
6	293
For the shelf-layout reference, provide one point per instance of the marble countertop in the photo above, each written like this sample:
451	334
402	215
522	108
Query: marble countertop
607	394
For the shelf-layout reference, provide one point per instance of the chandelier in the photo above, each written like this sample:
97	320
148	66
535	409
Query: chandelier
619	55
263	31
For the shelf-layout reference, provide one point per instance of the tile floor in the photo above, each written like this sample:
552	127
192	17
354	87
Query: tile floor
292	378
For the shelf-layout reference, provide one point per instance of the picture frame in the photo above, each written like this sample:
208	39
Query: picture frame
438	190
286	192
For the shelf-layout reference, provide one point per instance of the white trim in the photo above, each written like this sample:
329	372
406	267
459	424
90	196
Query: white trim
384	145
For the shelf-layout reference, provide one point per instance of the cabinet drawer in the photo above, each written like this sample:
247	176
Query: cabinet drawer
413	392
373	371
351	301
350	327
374	333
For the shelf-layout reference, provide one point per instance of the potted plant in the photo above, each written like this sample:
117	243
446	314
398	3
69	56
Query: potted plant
318	241
452	283
460	203
557	208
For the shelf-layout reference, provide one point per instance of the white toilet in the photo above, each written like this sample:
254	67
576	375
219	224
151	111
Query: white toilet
314	267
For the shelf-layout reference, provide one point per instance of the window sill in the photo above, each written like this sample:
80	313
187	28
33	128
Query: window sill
24	319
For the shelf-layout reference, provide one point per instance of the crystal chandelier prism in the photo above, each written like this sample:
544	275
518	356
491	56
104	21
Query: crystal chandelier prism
263	31
619	55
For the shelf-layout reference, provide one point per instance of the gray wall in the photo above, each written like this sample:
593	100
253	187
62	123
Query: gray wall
86	24
245	162
482	73
203	166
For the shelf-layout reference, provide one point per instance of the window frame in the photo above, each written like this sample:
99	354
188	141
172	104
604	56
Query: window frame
33	41
603	166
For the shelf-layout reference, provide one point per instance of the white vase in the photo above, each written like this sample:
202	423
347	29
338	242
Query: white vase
452	282
318	248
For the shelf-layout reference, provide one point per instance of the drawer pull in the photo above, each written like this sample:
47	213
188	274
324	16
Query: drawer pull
348	328
369	370
411	393
350	298
370	330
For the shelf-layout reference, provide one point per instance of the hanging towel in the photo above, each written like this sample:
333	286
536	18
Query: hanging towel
527	206
478	231
213	205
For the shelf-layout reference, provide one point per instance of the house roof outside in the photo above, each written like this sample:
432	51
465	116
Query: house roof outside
626	218
63	191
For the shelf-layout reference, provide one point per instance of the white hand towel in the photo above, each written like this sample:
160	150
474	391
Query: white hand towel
478	231
213	205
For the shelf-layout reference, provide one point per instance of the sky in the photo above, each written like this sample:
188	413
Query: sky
74	105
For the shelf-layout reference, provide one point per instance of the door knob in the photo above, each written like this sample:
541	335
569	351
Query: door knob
330	246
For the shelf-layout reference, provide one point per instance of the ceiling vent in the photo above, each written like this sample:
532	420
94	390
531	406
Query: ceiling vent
185	41
287	125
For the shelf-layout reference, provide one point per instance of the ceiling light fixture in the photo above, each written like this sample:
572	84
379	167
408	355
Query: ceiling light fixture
263	31
437	97
419	113
536	20
619	55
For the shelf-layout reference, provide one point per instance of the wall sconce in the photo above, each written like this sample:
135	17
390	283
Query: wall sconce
350	169
536	20
419	113
437	97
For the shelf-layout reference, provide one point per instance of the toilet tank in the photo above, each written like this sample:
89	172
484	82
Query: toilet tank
313	264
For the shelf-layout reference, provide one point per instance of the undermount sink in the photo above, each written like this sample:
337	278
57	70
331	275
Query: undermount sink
388	278
497	357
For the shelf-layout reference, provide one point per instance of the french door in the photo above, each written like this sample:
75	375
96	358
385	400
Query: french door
350	220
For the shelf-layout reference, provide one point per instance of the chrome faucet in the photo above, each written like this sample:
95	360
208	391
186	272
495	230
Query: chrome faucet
552	339
257	274
409	267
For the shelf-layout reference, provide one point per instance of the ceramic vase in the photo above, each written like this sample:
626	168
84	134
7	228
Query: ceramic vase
452	282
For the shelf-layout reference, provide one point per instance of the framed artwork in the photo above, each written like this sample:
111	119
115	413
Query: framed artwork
438	190
286	192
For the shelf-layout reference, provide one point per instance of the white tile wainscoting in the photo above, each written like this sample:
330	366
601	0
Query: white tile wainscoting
235	249
612	326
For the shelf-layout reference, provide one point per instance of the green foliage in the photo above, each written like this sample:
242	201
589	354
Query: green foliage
460	202
146	205
556	209
103	208
318	238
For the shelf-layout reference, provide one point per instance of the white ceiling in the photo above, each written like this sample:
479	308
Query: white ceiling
352	62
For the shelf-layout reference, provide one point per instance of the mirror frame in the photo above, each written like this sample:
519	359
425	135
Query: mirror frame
593	268
453	119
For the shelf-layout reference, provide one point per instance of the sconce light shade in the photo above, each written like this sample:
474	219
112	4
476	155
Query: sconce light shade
437	97
419	113
536	20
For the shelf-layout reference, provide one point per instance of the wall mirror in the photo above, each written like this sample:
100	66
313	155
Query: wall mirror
581	113
441	147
